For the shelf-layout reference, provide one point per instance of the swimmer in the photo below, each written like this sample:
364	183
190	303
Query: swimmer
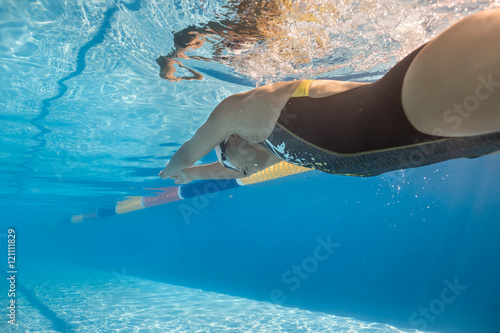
441	102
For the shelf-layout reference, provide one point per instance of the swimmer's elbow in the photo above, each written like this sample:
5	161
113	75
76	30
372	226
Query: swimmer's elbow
229	105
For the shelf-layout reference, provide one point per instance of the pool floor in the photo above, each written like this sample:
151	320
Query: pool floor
61	298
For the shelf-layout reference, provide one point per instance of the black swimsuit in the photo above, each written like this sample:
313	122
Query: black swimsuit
365	132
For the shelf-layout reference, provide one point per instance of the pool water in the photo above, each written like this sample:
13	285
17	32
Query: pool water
87	122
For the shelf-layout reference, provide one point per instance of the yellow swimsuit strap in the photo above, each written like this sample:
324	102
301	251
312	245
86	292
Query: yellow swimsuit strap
303	89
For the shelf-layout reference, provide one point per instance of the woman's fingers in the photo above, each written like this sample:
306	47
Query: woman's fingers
162	174
178	177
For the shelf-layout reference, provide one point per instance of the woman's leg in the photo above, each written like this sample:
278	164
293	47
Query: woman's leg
452	88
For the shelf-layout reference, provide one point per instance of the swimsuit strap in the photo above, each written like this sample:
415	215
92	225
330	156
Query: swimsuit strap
303	89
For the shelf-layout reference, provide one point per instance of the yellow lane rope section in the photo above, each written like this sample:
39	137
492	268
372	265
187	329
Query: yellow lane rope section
278	170
281	169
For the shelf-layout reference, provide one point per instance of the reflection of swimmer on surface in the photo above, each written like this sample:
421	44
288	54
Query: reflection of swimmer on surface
255	21
441	102
190	39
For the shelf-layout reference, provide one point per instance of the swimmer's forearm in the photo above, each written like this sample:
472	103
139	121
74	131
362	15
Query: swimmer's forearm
211	171
177	163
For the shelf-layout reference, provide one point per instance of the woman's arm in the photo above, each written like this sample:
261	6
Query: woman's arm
206	171
218	171
246	114
219	126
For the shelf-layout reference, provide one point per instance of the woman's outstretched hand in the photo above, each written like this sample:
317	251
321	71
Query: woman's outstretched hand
164	174
180	177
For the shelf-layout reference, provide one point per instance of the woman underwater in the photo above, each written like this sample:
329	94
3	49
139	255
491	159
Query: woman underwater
441	102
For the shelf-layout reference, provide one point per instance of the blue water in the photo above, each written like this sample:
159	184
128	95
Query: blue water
86	121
